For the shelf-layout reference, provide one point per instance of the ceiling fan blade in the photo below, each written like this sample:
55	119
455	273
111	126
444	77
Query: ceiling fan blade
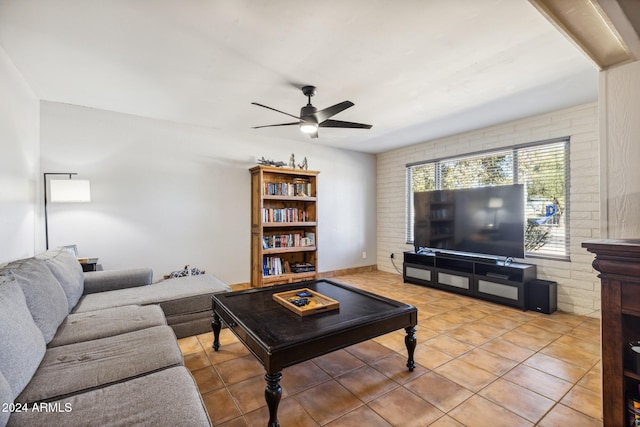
264	106
281	124
323	115
341	124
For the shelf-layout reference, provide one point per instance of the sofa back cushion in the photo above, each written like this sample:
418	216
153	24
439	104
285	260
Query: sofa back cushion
68	271
22	345
45	298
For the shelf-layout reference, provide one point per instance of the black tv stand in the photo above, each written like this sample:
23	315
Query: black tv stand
478	276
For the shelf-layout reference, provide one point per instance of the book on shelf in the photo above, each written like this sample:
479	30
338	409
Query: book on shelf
284	215
272	266
282	240
298	187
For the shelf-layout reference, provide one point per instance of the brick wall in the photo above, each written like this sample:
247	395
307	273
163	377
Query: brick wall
578	285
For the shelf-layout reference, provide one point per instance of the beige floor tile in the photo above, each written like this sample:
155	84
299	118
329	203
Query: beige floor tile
468	336
302	376
592	380
557	367
430	357
328	401
561	415
403	408
480	412
360	417
571	354
236	370
189	345
584	400
488	361
195	361
366	383
540	382
290	413
338	363
467	375
207	379
369	351
446	421
507	349
441	392
517	399
248	395
395	367
448	345
220	406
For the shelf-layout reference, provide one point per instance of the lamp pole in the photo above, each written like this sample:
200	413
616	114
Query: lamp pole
46	222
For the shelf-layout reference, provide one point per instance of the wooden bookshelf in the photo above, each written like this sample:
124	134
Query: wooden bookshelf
284	225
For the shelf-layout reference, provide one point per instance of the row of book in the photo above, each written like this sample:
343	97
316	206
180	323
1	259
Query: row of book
298	187
284	215
288	240
274	266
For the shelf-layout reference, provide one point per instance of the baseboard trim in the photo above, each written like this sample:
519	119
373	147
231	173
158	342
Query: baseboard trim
324	275
344	271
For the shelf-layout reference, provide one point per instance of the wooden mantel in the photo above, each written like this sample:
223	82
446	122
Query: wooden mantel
618	262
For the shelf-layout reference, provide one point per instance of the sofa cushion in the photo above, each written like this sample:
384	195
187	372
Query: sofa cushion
45	298
22	346
6	398
97	324
109	280
165	398
74	368
68	271
156	293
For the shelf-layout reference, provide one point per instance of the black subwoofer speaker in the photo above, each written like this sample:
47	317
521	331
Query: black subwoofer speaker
542	296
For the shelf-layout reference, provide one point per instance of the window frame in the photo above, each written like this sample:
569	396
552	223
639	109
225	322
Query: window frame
514	149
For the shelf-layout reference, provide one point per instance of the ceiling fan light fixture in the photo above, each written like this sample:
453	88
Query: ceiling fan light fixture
308	127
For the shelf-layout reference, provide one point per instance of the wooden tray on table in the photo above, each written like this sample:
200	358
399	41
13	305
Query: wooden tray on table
315	302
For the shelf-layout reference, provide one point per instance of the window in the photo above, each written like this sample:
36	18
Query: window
543	168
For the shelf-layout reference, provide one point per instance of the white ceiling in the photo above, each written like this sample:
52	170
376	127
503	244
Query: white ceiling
415	69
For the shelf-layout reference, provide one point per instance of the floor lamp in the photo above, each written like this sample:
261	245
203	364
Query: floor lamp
64	191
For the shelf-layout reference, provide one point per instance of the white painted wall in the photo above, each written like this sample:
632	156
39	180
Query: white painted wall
578	286
166	194
619	102
19	125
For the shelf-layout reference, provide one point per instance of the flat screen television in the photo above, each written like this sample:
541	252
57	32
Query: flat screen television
485	220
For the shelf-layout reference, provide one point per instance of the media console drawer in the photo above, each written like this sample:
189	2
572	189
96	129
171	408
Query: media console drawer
461	282
499	290
418	273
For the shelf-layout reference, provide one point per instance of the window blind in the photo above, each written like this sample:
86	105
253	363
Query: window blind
543	168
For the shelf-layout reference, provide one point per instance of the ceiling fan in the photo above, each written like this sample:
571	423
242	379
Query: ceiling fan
311	119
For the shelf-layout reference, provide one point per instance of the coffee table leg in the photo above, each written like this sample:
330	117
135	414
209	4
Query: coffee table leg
272	394
410	342
216	326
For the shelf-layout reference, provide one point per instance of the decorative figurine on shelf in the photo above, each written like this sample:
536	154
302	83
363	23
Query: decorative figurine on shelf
304	164
266	162
292	161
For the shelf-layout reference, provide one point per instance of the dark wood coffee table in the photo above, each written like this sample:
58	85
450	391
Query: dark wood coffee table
279	337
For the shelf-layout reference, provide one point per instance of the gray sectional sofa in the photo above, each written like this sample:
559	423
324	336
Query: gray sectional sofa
99	348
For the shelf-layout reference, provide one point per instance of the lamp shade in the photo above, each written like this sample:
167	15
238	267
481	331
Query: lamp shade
495	202
70	191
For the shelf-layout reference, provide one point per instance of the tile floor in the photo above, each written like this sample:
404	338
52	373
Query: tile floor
479	364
